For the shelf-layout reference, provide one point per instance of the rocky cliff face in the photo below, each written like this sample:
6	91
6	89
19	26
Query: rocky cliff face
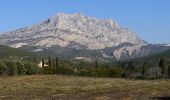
77	31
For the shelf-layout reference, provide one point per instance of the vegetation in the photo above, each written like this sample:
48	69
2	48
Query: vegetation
151	67
56	87
128	69
39	86
12	53
18	68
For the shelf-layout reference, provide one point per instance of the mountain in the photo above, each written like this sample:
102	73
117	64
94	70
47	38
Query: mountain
77	35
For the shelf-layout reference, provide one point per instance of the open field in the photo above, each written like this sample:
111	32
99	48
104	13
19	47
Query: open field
52	87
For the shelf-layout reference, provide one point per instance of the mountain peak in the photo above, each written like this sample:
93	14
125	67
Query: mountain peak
88	31
81	30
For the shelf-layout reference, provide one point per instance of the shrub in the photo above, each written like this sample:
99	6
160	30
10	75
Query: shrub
21	68
82	72
65	70
31	68
11	68
3	68
115	72
153	73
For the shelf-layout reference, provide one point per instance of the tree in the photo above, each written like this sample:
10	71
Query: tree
96	64
35	59
31	68
107	70
49	62
21	68
144	69
169	71
56	61
12	68
162	66
131	65
42	63
3	68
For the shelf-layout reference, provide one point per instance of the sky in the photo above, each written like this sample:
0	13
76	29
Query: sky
150	19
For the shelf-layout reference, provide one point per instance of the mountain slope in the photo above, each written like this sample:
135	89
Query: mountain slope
12	53
72	34
158	56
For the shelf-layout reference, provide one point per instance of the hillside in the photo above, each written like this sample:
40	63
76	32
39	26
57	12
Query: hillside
155	57
13	53
165	54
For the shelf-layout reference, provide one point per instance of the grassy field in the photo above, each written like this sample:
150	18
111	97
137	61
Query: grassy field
55	87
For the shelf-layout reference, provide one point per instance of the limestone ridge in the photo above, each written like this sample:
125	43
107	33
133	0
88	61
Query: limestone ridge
88	32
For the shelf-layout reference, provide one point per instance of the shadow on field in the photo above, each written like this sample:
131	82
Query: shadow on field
161	98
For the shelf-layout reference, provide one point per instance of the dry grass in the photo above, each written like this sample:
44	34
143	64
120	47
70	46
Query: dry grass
43	87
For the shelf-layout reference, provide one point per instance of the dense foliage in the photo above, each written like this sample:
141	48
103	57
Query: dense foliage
150	67
18	68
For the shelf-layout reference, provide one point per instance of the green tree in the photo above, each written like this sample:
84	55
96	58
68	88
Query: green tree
42	63
131	65
35	59
12	68
96	63
49	62
53	62
3	68
56	63
31	68
144	69
162	66
21	68
107	70
169	71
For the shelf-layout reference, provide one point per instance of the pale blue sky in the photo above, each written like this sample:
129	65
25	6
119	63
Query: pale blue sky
150	19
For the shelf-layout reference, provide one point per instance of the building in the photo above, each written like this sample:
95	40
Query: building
40	64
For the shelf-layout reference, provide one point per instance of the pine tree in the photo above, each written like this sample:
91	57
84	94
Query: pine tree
96	64
107	70
35	59
53	62
162	66
131	65
49	62
42	63
169	71
57	65
144	69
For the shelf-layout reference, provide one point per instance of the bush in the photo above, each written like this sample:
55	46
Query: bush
11	68
65	70
153	73
50	70
101	72
18	68
31	68
21	68
82	72
115	72
3	68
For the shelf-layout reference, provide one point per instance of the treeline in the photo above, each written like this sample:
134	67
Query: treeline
8	67
156	69
146	69
56	66
128	69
